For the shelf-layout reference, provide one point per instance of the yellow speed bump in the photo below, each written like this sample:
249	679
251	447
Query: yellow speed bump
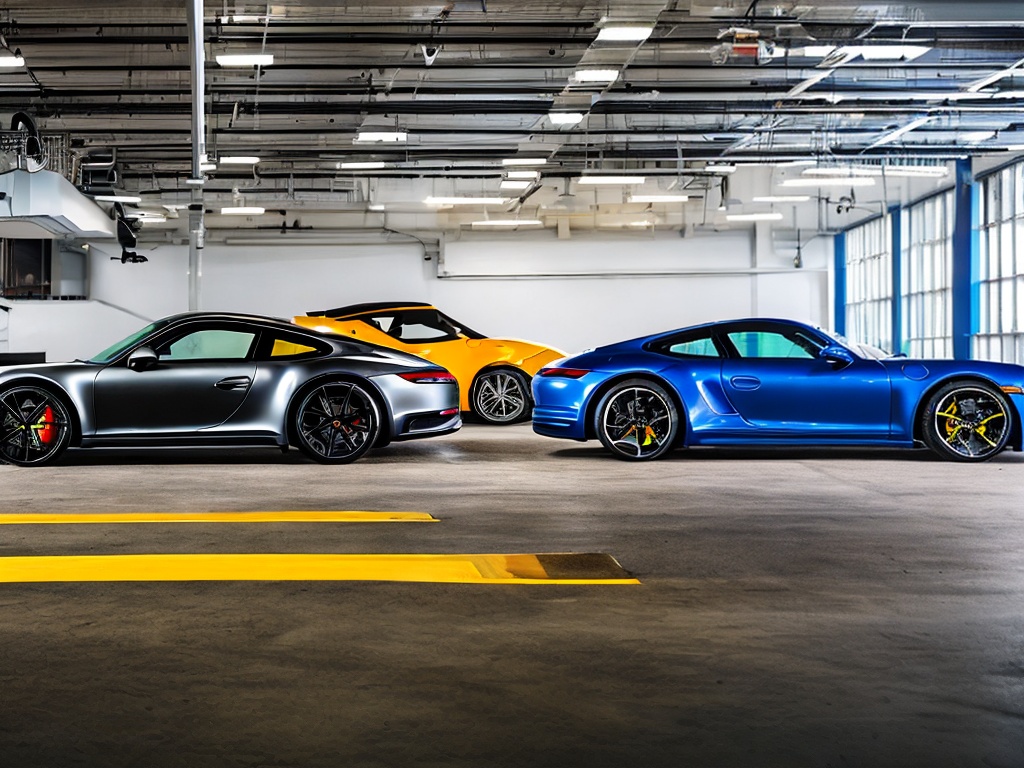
217	517
454	569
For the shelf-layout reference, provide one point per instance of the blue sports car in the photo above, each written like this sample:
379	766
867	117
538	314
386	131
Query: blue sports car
775	382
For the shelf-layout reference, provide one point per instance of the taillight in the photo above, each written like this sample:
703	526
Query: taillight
428	377
565	373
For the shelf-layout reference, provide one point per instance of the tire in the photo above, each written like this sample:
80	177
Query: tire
35	426
336	422
501	396
637	420
966	421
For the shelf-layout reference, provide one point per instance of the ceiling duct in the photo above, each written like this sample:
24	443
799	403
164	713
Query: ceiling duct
46	205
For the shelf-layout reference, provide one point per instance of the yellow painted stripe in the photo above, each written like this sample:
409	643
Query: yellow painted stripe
459	569
218	517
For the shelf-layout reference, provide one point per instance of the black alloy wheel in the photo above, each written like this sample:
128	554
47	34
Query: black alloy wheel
35	427
637	420
966	421
501	396
337	422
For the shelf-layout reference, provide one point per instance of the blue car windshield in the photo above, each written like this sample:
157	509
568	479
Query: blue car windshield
868	351
112	352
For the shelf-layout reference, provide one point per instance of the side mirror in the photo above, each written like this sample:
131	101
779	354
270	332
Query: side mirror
142	359
836	356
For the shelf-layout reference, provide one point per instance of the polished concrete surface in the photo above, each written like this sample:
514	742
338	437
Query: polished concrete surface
797	608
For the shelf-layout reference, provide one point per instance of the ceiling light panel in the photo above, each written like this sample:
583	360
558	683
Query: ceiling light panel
245	59
611	180
632	33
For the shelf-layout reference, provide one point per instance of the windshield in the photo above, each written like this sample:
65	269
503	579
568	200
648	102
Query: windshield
112	352
868	351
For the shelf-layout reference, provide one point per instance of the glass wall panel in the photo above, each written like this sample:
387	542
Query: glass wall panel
925	269
1000	273
869	282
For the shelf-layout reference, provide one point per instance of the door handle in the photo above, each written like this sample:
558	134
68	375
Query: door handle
746	383
234	382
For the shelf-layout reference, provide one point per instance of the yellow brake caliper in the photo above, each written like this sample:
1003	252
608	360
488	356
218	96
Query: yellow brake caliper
953	423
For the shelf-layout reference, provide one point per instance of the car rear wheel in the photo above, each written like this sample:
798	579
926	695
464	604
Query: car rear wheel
501	396
637	420
966	421
35	427
337	422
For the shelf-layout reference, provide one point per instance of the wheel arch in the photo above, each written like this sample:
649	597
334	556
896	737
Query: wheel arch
599	392
57	391
378	397
1016	435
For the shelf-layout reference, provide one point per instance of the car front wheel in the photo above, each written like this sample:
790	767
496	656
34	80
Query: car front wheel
35	427
966	421
637	420
337	422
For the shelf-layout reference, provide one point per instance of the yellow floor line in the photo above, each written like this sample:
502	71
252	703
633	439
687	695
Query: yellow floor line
460	569
218	517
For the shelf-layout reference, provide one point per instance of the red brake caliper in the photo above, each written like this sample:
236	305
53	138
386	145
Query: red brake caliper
45	429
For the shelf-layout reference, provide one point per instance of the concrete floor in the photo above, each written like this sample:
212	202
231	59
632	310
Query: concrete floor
798	608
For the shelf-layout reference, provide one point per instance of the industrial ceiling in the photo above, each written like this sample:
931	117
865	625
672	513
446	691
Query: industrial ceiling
678	93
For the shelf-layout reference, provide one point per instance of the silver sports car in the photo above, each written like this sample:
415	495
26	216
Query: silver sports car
219	379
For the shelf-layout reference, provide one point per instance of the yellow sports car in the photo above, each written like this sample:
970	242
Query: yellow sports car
493	374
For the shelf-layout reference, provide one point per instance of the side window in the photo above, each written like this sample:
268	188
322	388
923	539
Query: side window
384	323
286	348
690	344
772	344
209	345
703	347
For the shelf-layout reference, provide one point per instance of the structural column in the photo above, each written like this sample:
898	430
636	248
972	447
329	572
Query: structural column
839	283
196	208
965	245
895	267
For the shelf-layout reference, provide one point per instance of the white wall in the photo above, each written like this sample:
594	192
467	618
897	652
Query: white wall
572	294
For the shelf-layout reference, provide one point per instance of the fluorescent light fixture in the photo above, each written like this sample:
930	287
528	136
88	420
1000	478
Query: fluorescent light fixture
521	174
1013	148
766	216
892	52
146	216
995	77
507	223
245	59
903	129
781	199
466	200
241	19
611	180
242	210
833	181
624	33
238	160
382	136
565	118
129	199
658	198
976	137
508	184
595	75
370	165
527	160
10	62
207	166
812	51
720	168
376	207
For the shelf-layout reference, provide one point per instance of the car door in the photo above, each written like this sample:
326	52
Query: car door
778	380
202	374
